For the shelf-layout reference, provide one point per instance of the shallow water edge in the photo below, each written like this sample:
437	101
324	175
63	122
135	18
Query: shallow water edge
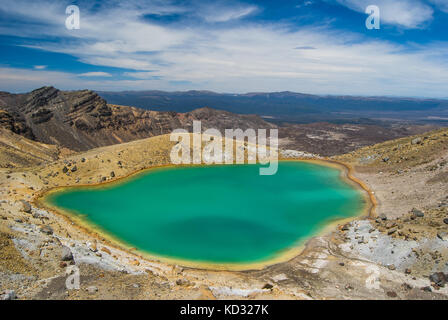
346	174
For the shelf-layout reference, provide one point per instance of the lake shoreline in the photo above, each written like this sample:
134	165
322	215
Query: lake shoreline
96	232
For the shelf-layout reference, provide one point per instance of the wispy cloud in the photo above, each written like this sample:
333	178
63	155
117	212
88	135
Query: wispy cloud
142	75
440	4
95	74
305	48
237	56
305	3
213	13
405	13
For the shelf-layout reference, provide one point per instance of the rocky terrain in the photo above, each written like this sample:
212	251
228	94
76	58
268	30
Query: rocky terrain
17	151
81	120
329	139
51	138
400	252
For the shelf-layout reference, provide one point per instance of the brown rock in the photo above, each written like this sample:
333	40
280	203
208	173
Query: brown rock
391	267
26	207
104	249
135	262
268	286
391	294
443	235
391	231
47	230
92	246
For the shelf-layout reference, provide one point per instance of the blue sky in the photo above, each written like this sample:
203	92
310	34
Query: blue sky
310	46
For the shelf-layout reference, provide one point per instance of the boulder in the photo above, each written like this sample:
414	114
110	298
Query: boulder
417	213
47	230
392	231
268	286
66	254
92	289
26	207
391	294
442	235
92	246
439	278
391	267
9	295
183	282
104	249
135	262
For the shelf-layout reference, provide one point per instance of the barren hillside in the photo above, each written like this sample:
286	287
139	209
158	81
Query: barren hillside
18	151
81	120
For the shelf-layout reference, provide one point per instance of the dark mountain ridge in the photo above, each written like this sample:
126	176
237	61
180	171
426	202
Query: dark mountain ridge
80	120
286	106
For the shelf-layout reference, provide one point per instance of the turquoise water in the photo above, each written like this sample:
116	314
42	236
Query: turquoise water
218	214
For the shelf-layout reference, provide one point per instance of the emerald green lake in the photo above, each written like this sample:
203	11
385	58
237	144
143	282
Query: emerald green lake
216	214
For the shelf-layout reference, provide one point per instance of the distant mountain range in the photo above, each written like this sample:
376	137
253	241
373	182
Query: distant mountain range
82	120
287	106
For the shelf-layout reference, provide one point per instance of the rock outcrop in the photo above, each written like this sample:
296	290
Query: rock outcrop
81	120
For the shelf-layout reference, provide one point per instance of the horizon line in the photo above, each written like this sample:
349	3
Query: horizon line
242	94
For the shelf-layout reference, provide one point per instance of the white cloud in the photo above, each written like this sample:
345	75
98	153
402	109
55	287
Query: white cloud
304	4
40	67
24	80
440	4
224	14
404	13
141	75
95	74
239	58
